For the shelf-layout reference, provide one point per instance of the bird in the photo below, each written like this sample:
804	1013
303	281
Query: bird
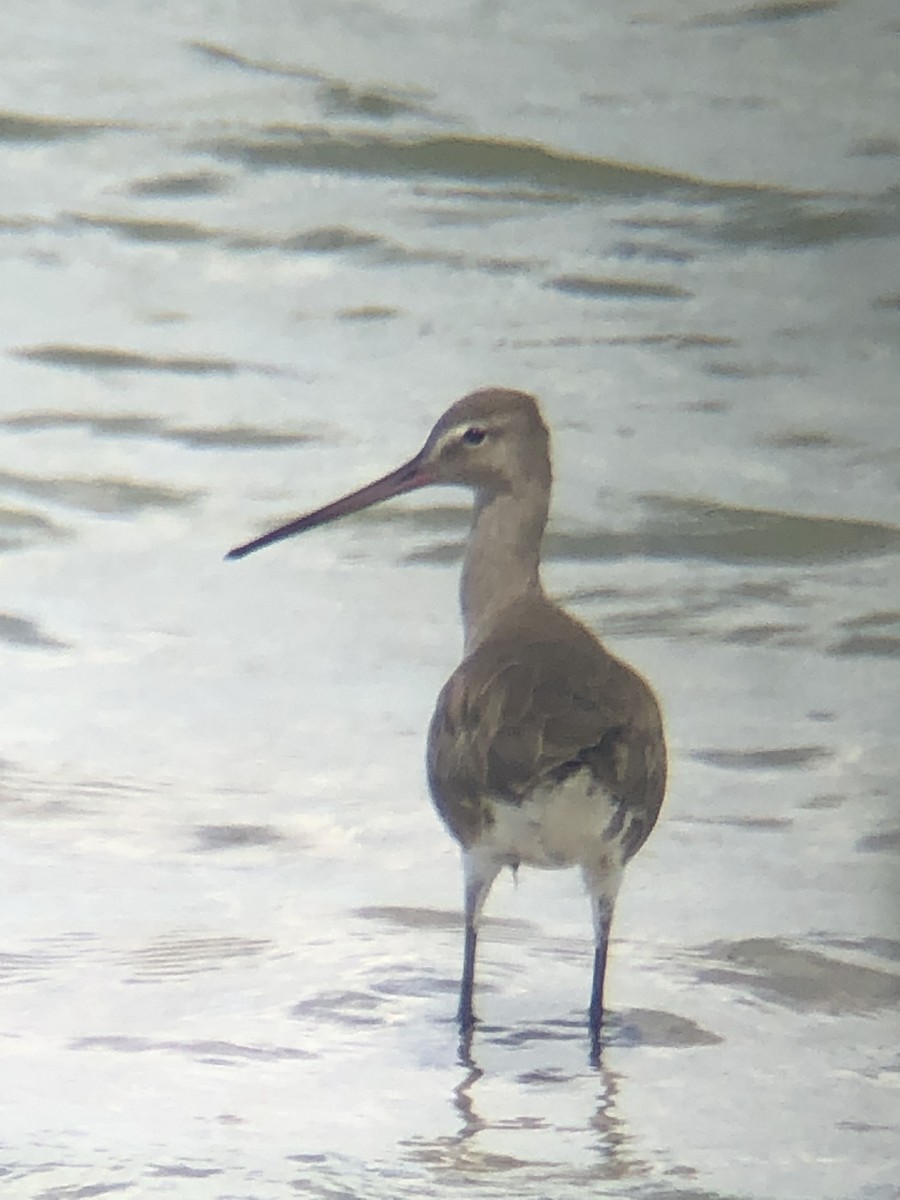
544	749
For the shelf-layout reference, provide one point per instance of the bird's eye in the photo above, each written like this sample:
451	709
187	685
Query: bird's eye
474	435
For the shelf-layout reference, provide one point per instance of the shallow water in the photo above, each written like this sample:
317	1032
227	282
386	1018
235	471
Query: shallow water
247	260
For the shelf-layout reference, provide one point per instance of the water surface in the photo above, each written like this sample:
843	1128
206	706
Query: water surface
247	260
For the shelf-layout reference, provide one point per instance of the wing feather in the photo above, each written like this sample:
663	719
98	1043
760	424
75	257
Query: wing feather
523	711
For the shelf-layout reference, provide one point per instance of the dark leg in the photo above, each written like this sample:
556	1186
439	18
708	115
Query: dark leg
466	1015
480	872
603	912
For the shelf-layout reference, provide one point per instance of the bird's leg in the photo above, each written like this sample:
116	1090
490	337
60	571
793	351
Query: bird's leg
466	1014
480	873
602	905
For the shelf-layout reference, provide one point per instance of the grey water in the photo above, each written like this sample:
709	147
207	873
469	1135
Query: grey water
248	254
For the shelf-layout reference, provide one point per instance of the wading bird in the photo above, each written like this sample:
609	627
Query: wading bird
544	748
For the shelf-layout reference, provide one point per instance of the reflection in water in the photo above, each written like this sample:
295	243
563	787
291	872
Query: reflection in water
531	1112
463	1098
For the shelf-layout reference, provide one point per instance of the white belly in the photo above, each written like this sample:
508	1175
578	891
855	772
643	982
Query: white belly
562	826
574	824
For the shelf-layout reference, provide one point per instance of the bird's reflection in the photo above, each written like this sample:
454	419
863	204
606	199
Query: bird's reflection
488	1139
464	1049
464	1102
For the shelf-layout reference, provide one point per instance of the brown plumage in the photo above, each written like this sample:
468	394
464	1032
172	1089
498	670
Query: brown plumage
540	702
544	748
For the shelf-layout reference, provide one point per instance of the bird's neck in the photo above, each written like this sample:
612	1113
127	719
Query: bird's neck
502	559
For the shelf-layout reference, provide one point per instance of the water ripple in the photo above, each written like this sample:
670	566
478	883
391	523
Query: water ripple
799	978
336	96
767	13
457	156
614	289
109	358
129	425
778	758
874	634
179	957
677	527
208	1051
100	495
235	837
183	185
19	631
20	528
19	127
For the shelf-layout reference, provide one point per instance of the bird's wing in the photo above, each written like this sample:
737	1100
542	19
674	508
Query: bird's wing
533	712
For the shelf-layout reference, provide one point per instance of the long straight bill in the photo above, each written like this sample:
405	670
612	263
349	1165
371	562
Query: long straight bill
405	479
